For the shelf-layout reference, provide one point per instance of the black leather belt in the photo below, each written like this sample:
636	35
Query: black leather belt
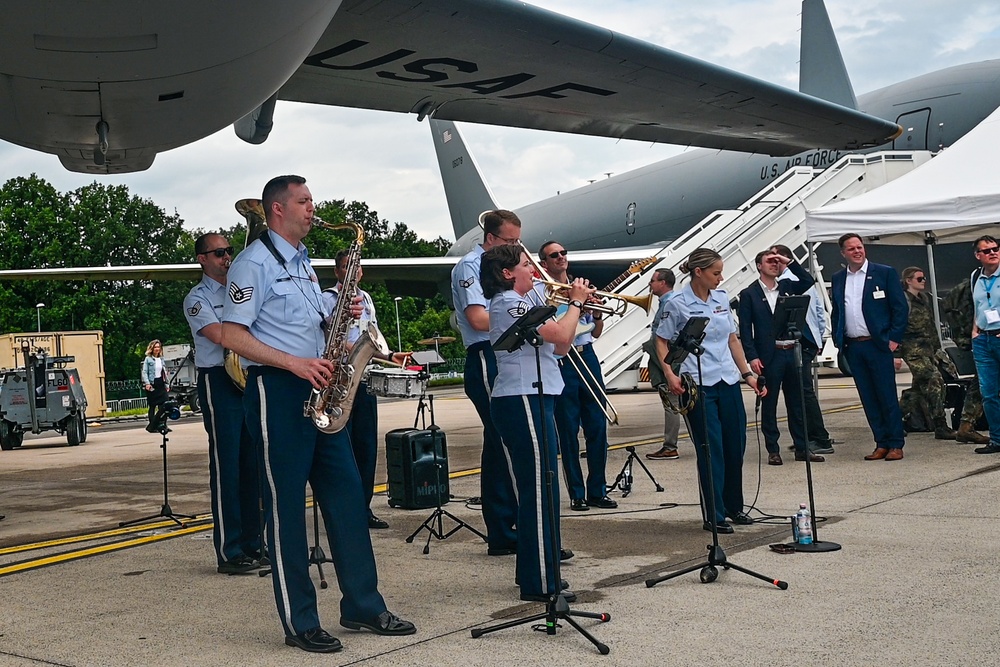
991	332
581	348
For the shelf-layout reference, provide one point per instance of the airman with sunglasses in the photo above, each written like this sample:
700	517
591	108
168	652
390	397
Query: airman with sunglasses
232	472
986	334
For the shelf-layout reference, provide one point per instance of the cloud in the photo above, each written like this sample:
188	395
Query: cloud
387	160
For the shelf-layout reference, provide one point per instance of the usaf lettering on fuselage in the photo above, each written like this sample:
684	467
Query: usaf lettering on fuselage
439	70
820	159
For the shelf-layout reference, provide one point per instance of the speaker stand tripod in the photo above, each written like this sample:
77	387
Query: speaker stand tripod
716	555
165	511
623	482
434	524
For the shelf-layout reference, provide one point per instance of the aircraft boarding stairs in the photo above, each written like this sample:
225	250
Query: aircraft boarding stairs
775	215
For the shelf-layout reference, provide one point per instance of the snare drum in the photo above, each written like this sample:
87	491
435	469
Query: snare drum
395	383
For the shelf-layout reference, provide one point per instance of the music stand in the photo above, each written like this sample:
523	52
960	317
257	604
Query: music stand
789	322
525	330
689	341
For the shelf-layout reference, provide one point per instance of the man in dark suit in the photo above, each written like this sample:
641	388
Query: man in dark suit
773	357
869	318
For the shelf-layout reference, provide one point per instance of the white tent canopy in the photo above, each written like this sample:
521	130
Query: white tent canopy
952	198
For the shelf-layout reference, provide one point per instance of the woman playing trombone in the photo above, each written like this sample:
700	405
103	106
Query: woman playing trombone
525	420
718	416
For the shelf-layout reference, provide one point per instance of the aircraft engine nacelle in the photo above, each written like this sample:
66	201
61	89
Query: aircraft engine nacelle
157	75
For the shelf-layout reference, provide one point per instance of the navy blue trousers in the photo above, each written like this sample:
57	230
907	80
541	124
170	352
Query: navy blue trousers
497	478
521	421
294	453
232	465
720	408
576	407
875	377
362	427
815	426
782	378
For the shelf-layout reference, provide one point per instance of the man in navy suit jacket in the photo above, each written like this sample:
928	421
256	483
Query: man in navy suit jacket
772	357
869	318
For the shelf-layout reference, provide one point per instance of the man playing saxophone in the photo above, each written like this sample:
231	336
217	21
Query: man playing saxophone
271	319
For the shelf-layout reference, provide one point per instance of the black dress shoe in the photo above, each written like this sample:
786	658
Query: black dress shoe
579	505
375	522
566	554
316	640
723	527
988	449
386	623
741	519
238	565
501	551
570	596
604	503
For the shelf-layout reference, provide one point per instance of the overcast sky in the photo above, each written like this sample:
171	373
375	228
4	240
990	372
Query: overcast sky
387	160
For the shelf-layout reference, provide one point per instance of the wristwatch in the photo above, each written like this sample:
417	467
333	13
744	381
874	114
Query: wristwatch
746	375
578	304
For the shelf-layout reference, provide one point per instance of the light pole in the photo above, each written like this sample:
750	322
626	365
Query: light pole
38	314
399	335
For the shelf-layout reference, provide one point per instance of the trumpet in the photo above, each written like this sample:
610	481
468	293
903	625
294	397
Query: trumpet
557	294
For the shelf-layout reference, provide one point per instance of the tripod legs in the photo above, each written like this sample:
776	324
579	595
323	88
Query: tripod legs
165	511
437	516
623	481
316	554
556	609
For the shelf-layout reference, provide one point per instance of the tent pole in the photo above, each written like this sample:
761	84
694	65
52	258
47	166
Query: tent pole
929	241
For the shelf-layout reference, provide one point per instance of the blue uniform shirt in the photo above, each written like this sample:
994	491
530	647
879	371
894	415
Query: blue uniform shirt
332	296
282	306
986	296
517	371
466	290
717	363
203	307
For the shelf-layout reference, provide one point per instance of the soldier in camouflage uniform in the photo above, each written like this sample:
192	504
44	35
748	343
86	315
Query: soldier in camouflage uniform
920	348
960	312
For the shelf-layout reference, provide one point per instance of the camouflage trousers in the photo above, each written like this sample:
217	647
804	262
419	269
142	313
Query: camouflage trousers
972	410
927	379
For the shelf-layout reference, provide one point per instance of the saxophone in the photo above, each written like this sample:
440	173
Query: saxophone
330	407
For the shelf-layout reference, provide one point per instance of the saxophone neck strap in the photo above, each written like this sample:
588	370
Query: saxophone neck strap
265	238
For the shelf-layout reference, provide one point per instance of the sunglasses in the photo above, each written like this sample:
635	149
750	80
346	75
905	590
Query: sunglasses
989	251
920	279
219	252
558	253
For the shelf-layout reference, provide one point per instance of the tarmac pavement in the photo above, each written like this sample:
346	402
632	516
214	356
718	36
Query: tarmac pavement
912	585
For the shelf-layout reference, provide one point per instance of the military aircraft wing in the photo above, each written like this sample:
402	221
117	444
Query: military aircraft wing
503	62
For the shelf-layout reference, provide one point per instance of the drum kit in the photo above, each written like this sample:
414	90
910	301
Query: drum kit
404	382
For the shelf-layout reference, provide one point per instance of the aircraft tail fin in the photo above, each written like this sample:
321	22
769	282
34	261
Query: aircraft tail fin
822	72
467	193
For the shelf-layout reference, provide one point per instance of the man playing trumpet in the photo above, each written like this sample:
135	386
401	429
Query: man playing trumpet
578	405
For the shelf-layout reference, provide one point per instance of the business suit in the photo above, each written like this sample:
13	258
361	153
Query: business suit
885	313
757	336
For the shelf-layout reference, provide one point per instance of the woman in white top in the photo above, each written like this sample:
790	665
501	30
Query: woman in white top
154	378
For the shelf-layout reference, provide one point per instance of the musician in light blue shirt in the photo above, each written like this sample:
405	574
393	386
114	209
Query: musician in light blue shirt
524	419
233	472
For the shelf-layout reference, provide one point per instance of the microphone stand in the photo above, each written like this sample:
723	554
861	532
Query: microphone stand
716	555
525	330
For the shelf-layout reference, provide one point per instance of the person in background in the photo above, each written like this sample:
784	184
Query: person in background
986	334
154	380
921	350
661	284
869	319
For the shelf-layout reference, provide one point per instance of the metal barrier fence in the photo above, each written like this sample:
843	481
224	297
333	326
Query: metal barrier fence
127	404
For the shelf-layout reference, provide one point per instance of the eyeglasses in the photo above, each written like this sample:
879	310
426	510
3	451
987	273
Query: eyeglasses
989	251
920	279
219	252
507	241
557	253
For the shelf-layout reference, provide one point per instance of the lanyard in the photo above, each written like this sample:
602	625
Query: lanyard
988	284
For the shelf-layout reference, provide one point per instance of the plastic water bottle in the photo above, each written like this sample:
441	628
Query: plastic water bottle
804	521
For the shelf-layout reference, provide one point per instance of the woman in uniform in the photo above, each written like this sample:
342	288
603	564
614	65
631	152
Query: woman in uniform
526	422
718	416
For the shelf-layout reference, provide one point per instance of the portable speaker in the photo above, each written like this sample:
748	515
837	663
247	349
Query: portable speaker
413	457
